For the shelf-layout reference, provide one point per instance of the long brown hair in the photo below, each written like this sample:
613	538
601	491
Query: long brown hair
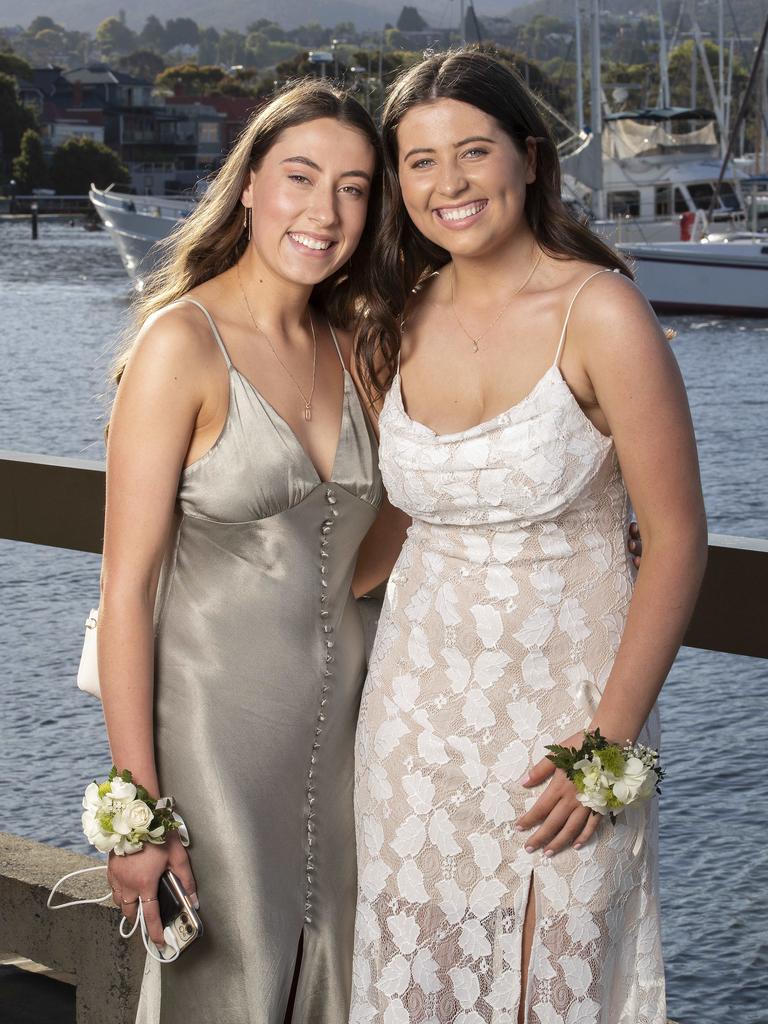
212	239
403	256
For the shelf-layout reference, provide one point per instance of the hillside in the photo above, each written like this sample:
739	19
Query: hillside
236	14
743	16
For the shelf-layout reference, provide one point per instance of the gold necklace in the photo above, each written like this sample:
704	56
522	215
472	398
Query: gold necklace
307	401
476	339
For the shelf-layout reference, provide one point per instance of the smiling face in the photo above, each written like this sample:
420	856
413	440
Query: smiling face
463	179
309	200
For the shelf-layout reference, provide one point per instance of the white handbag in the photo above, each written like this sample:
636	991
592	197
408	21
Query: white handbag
88	672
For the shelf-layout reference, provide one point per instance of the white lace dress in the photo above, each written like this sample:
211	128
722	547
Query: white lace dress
500	625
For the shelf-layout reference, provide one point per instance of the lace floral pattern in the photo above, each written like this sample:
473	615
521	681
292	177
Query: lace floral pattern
500	626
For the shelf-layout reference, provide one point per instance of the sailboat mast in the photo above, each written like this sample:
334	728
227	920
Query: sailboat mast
721	76
596	114
579	68
663	62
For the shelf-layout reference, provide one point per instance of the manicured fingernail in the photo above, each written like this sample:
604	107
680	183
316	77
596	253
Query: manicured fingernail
577	846
525	780
530	849
194	900
548	853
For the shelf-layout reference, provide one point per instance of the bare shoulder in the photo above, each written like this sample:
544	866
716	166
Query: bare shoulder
611	316
177	340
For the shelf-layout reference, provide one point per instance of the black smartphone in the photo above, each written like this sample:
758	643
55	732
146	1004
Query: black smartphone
181	922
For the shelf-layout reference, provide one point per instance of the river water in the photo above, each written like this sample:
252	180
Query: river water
62	303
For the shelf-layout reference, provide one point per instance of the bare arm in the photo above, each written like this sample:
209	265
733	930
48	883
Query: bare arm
382	544
651	425
156	410
380	549
648	416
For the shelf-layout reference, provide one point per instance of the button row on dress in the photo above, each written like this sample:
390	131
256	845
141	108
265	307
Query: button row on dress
325	531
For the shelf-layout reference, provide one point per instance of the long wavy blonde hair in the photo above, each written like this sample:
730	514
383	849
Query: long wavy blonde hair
212	239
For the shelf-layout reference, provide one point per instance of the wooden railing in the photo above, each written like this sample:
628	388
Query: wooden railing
60	502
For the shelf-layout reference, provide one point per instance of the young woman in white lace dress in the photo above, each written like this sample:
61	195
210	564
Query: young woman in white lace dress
532	391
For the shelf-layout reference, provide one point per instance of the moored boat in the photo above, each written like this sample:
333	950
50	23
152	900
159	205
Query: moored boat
136	223
728	276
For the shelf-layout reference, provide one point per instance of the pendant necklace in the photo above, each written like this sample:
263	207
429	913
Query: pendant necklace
476	339
306	400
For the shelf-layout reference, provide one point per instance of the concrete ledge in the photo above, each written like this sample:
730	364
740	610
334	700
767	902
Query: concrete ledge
81	942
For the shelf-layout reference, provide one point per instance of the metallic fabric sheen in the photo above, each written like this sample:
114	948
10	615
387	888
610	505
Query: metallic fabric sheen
259	669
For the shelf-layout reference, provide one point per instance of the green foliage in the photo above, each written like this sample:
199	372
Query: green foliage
181	32
78	162
142	64
410	20
15	119
394	39
42	22
564	758
232	48
153	36
191	79
114	37
16	67
30	168
680	73
208	46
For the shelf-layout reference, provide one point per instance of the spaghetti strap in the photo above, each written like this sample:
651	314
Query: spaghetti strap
214	329
561	345
336	343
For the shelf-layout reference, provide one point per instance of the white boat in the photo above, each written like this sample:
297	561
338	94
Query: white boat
650	176
728	276
136	223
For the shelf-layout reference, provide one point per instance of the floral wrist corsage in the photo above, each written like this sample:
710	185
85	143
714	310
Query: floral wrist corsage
608	777
120	816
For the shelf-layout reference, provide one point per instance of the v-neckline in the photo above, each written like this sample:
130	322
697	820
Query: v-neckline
292	433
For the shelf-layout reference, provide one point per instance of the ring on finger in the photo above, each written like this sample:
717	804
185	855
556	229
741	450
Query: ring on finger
127	902
148	899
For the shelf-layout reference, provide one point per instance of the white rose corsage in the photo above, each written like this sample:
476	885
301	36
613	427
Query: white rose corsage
120	816
609	777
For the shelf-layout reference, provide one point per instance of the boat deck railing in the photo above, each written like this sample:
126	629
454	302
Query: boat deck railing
60	503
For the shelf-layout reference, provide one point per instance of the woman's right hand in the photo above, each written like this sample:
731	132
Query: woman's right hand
135	877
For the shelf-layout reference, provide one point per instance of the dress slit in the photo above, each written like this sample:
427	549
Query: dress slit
295	982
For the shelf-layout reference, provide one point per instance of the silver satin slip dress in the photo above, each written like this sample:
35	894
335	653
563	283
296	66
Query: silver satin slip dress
259	669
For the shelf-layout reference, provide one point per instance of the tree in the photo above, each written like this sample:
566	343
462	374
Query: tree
410	20
181	32
29	168
42	22
153	36
16	67
143	64
15	119
191	79
78	162
208	46
114	37
232	47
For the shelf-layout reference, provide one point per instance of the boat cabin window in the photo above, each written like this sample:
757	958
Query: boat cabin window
624	204
701	194
669	200
728	197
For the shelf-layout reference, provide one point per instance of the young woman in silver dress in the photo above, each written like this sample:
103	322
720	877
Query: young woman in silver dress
515	424
241	480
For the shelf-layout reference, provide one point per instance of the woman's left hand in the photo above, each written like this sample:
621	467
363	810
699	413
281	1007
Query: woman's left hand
635	543
562	819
